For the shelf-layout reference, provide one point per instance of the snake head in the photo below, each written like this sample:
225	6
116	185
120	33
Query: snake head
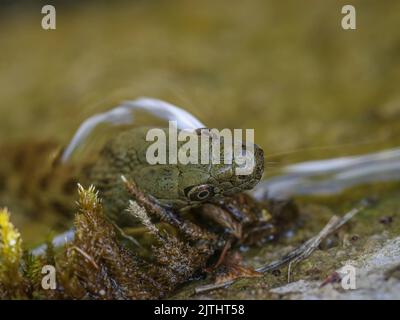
199	184
177	185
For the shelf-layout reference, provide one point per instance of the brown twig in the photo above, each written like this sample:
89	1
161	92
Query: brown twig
300	253
85	255
189	229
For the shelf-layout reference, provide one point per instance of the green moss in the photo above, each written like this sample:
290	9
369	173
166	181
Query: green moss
96	264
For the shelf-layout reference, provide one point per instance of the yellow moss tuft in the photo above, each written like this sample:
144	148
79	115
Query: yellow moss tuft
10	257
88	198
10	244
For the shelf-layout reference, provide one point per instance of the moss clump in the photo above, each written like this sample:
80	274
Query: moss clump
20	271
10	256
96	264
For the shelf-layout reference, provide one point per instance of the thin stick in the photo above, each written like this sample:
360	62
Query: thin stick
298	254
191	230
312	245
84	254
331	227
213	286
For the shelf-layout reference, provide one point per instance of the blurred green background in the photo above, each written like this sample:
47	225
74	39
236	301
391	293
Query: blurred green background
285	68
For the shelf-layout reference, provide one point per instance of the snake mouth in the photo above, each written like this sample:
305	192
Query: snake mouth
239	183
259	167
249	181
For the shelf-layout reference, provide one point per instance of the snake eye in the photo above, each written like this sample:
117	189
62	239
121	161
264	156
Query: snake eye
199	193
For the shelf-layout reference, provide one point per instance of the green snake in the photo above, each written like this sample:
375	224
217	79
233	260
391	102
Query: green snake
176	186
50	186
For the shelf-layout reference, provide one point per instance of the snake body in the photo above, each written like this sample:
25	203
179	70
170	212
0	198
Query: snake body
177	186
32	186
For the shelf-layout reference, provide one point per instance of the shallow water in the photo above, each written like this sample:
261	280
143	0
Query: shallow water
331	176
